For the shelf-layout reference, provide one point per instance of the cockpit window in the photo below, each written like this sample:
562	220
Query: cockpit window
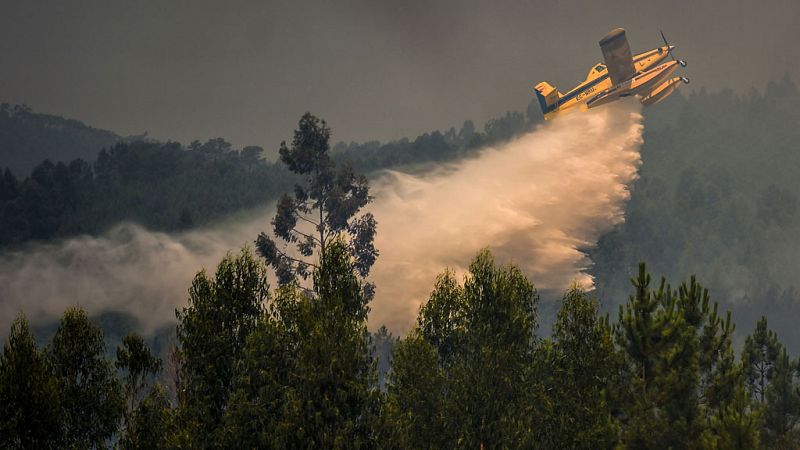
600	67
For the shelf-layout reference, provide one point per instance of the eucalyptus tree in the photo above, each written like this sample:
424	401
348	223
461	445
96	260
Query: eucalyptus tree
30	402
212	331
92	396
463	376
323	206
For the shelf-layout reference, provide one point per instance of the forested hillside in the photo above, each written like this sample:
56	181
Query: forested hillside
436	146
717	194
717	197
28	138
168	186
162	186
294	366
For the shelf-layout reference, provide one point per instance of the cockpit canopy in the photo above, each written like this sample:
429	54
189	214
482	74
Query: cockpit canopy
596	71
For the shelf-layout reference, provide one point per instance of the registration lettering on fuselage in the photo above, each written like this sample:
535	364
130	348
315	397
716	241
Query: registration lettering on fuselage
583	94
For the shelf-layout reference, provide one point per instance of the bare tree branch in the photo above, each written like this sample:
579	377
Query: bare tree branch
299	261
307	236
307	220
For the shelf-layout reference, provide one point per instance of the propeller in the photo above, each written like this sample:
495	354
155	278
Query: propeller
685	80
669	50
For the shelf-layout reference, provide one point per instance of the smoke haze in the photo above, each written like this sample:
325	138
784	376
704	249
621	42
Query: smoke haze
246	69
129	268
534	201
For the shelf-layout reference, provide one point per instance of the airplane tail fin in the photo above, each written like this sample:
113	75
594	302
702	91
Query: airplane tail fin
548	97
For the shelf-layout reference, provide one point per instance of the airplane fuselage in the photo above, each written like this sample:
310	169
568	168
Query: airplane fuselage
598	89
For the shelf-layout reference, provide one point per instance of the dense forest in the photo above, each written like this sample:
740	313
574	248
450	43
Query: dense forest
27	138
294	366
717	197
638	363
162	186
291	367
168	186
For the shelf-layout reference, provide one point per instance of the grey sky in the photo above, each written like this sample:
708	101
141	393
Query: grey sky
245	71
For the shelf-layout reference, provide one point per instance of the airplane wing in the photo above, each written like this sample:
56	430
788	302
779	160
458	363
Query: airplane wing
617	55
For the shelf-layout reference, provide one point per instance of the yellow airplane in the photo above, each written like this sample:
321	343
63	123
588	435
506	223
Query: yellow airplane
622	75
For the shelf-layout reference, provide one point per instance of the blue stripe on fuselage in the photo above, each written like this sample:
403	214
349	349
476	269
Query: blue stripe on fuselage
577	92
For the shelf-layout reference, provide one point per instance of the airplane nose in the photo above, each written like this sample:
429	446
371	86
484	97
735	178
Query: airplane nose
682	63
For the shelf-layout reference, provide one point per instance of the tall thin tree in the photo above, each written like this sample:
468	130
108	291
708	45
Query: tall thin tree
321	208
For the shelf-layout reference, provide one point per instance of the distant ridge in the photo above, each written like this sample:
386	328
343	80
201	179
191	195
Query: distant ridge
27	138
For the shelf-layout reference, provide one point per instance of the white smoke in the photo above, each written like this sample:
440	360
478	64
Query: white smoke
534	201
129	269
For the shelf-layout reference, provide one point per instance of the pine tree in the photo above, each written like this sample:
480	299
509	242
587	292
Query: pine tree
680	364
760	353
782	410
30	404
644	333
770	379
720	374
738	423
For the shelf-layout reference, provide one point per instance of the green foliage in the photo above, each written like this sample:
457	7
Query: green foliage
308	379
297	371
581	369
135	358
335	392
254	414
167	186
680	364
161	186
770	378
30	403
322	208
143	422
212	333
760	353
441	320
92	396
414	410
483	336
738	424
782	410
717	196
151	426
